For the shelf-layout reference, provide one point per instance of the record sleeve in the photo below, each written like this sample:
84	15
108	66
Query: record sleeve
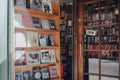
20	3
36	5
53	71
20	58
43	39
44	56
27	75
50	40
45	24
47	6
18	76
52	24
37	73
36	22
45	74
32	39
52	55
33	57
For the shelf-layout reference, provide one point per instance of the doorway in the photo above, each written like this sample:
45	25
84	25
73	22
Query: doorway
98	38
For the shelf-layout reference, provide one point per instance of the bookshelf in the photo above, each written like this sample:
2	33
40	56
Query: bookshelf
66	39
98	24
55	16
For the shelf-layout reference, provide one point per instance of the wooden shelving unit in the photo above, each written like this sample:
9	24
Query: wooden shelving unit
56	33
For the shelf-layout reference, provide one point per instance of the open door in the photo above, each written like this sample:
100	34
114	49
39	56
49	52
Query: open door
98	40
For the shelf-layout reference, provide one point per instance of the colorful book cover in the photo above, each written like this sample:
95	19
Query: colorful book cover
33	57
26	19
27	75
50	40
52	56
36	23
32	39
36	5
42	40
47	6
45	24
53	71
45	74
37	73
52	24
20	58
44	56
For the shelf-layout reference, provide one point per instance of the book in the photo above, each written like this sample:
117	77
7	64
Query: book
20	3
18	76
33	57
42	40
36	5
50	40
36	22
45	74
45	24
26	19
32	38
53	71
52	55
18	20
44	56
27	75
37	73
52	24
20	58
47	6
20	39
47	56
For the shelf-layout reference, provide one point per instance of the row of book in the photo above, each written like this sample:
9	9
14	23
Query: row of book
33	39
113	30
103	46
25	20
40	5
34	57
38	73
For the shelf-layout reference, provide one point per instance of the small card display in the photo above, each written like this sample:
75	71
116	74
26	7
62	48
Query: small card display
37	73
20	58
33	57
18	76
27	75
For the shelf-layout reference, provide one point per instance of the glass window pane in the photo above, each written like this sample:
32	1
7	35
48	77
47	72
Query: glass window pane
91	77
3	40
108	78
110	63
91	64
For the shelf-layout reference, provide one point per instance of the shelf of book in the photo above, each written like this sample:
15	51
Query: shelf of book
34	65
35	13
100	50
37	48
44	31
36	39
97	26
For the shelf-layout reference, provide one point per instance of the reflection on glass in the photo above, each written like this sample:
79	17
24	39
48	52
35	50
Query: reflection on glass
91	77
108	78
109	63
91	62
